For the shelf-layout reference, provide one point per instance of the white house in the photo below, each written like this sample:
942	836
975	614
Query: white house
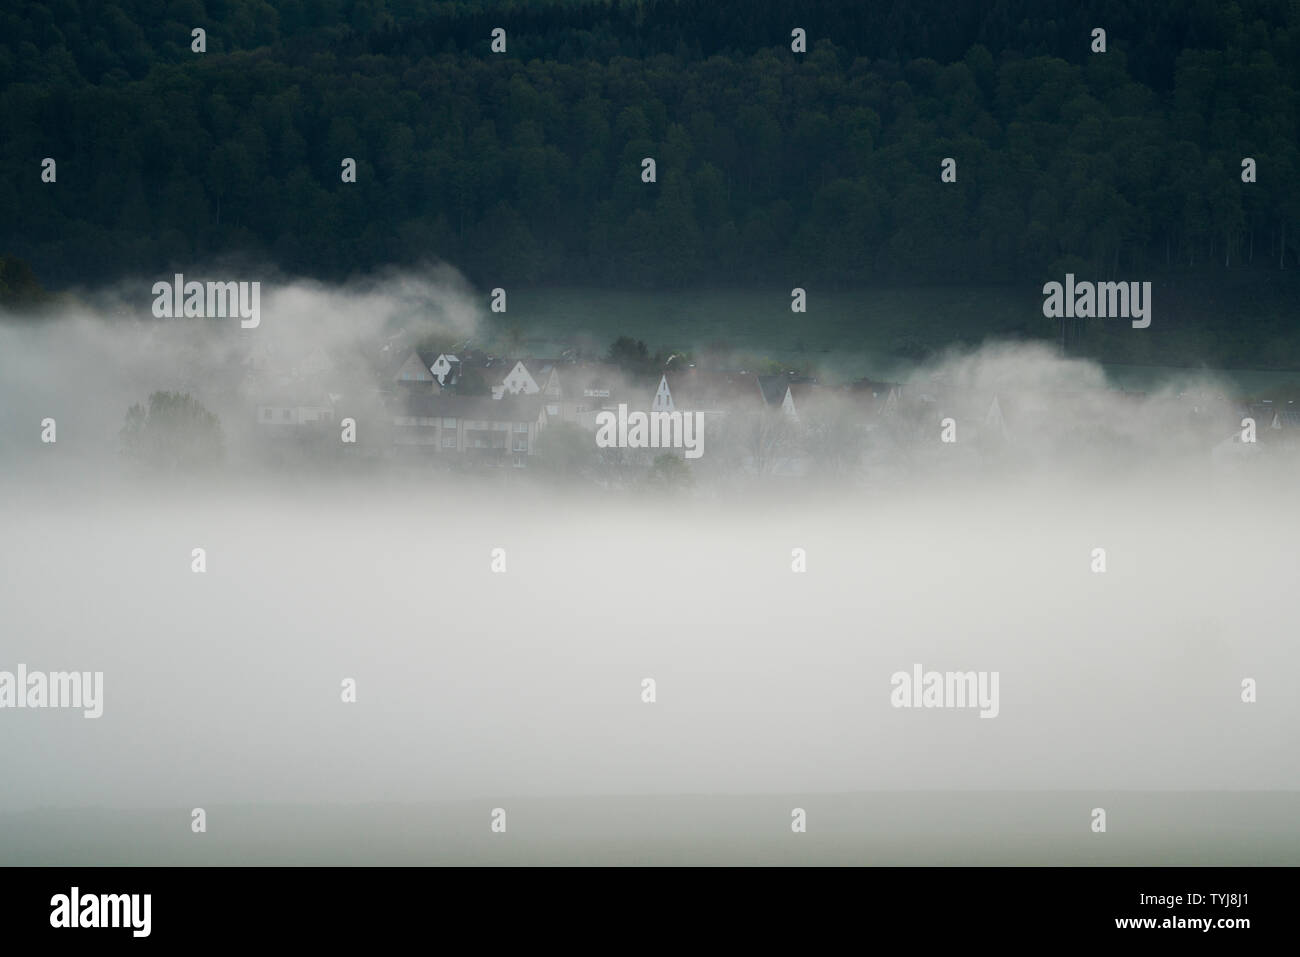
994	423
495	432
551	390
787	405
663	400
280	413
518	381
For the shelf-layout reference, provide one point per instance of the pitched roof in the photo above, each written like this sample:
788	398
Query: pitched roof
774	387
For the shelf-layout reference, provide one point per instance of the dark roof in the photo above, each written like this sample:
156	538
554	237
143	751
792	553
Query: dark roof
390	362
773	387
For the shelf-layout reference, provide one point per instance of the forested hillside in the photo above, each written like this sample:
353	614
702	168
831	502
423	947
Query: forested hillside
525	167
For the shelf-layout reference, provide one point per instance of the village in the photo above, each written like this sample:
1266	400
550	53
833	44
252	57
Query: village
467	409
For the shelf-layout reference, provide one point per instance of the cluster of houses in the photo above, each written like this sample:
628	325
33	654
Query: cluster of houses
481	408
474	409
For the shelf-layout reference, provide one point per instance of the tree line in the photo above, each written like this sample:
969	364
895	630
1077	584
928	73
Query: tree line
525	167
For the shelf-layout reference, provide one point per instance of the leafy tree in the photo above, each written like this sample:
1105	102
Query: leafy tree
525	169
630	355
173	433
19	287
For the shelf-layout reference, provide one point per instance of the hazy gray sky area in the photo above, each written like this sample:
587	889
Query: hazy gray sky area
223	688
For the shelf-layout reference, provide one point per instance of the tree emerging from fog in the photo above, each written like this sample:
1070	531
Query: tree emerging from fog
174	433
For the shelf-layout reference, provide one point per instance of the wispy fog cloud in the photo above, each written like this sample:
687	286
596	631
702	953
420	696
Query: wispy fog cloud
224	686
87	362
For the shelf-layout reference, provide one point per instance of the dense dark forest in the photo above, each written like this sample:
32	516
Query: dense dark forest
525	167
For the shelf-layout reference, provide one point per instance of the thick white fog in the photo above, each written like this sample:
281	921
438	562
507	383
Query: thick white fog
224	687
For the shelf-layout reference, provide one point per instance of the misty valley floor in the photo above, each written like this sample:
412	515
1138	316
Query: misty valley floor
1145	828
479	690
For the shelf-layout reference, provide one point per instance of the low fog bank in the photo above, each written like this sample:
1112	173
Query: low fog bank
481	672
85	364
224	687
325	356
882	828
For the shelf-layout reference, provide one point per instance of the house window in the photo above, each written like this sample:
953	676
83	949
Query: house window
521	445
266	413
552	410
448	422
519	461
449	441
521	426
286	414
